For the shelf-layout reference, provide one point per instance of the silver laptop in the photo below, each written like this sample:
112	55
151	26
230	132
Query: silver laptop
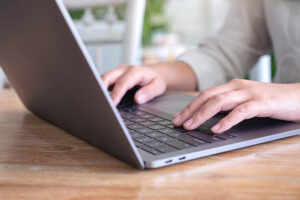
48	65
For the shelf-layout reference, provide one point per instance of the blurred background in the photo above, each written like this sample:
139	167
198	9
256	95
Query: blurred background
137	32
168	28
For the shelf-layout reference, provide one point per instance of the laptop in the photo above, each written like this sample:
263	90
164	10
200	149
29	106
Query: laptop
49	67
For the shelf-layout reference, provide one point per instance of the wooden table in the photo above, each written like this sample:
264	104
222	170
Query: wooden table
40	161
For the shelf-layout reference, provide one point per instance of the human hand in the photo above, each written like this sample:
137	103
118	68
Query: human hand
246	99
126	77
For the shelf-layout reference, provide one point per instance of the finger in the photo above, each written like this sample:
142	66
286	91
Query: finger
199	101
214	105
148	92
127	81
110	78
244	111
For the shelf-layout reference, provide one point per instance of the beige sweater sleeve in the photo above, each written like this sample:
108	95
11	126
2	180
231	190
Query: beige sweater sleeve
234	50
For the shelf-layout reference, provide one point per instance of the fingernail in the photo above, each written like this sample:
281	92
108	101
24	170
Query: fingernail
177	118
141	98
189	122
215	127
114	101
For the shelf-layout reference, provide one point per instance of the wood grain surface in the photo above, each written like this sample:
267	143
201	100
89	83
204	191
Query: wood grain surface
40	161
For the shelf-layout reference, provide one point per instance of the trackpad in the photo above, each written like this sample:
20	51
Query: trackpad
170	103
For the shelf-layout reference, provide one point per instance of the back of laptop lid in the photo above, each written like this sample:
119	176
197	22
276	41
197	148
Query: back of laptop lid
48	66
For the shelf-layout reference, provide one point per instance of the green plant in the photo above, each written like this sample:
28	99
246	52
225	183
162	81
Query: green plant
273	64
76	14
154	19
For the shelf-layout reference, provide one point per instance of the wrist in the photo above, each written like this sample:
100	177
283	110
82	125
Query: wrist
178	75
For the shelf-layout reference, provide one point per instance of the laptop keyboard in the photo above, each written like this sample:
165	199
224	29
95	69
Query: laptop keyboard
157	135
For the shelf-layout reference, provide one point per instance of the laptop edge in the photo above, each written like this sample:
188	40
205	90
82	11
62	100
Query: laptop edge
116	141
78	106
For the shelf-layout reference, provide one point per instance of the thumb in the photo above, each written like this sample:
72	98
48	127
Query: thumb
150	91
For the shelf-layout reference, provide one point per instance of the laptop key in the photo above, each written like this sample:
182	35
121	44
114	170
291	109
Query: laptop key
204	137
136	135
204	128
175	134
129	109
146	116
155	144
144	130
146	123
165	123
127	122
137	119
171	126
143	139
211	122
134	126
190	140
156	119
180	129
164	139
131	131
178	144
137	144
149	150
166	149
225	136
166	130
154	134
156	127
210	133
138	113
127	116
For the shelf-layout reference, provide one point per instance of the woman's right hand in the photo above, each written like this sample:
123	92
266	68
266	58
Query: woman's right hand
125	77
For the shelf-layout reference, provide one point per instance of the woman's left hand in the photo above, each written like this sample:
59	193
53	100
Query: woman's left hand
246	99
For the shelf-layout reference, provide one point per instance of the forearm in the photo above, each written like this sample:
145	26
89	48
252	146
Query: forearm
234	50
178	75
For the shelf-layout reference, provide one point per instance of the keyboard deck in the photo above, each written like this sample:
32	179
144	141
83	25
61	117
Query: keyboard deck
157	135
